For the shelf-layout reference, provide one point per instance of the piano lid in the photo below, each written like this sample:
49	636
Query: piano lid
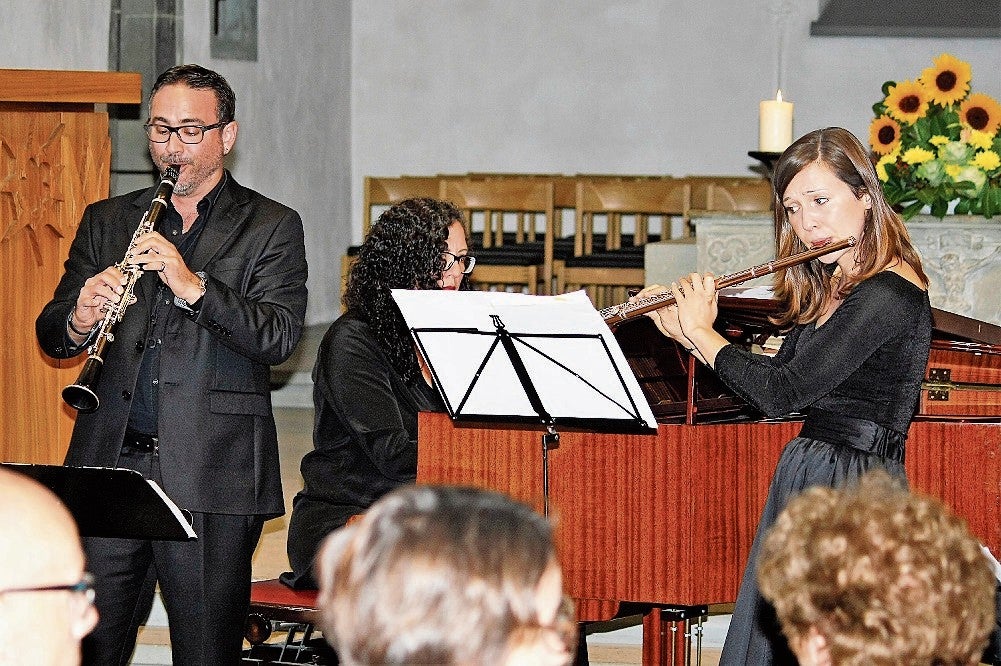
962	380
753	306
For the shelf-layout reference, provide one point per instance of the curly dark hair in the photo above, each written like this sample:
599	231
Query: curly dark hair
402	251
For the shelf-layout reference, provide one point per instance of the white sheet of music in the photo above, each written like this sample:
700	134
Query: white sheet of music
571	356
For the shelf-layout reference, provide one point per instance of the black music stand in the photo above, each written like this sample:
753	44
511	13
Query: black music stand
113	502
512	358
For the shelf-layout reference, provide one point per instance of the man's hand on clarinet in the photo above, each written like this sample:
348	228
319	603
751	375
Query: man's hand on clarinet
155	253
97	294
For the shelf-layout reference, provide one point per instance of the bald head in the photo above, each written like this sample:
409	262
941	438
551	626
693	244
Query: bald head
39	547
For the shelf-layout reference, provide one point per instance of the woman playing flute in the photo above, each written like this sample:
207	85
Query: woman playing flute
853	358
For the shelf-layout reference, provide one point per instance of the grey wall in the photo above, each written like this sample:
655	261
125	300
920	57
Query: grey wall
344	89
295	123
56	34
608	86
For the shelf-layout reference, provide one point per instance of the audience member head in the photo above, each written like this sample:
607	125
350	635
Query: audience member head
408	247
860	210
45	598
874	574
445	575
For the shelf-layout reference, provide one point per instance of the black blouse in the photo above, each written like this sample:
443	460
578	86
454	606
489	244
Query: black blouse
866	361
365	423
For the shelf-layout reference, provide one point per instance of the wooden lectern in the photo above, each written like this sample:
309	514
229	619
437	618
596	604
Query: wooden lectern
55	158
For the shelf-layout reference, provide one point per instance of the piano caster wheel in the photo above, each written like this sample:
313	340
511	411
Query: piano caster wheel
257	630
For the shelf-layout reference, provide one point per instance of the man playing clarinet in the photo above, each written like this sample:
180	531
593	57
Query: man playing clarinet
184	395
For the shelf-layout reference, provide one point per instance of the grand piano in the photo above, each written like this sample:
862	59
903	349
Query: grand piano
662	524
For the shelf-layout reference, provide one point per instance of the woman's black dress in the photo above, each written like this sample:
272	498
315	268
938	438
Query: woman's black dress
858	378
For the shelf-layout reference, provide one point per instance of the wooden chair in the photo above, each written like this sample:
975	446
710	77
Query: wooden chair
511	224
743	184
276	607
607	265
751	196
564	187
381	192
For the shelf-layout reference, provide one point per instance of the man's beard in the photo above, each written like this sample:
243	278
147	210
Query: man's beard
193	174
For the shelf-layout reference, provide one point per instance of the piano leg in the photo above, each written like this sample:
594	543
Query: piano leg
580	659
668	633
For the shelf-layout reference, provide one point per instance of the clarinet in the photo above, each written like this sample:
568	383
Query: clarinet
80	395
618	314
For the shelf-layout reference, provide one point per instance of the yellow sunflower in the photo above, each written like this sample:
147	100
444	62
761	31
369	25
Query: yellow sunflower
907	101
884	135
981	112
978	139
987	160
885	161
917	155
948	81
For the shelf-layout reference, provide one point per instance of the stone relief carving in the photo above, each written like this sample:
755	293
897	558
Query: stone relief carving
727	248
963	264
961	256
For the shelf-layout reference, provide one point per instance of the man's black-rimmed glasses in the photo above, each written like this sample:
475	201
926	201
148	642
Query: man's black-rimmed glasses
467	261
85	587
160	133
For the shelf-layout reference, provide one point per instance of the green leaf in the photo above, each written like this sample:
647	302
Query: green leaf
927	195
911	210
886	87
991	198
939	208
962	207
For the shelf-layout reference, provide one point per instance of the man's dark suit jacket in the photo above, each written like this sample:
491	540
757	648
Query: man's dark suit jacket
218	446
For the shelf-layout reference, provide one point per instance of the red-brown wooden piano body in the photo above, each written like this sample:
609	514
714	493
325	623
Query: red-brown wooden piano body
669	518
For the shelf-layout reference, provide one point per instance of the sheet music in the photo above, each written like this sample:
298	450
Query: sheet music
174	509
570	354
764	292
992	562
113	502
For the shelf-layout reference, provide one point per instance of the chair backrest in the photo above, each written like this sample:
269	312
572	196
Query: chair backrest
494	206
755	195
506	211
564	187
743	188
386	191
640	198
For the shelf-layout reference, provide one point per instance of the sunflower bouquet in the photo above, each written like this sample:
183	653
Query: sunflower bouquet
937	143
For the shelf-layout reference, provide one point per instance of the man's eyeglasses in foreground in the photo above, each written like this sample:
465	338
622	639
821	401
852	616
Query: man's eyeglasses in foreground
84	587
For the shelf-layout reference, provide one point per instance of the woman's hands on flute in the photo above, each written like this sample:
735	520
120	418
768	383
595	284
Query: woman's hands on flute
690	320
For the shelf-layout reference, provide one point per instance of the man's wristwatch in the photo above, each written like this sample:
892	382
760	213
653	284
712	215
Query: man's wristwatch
183	304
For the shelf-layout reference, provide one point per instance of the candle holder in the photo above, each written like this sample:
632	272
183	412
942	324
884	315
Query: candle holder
767	160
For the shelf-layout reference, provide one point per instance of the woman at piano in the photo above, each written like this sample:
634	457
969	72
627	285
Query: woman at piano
369	382
858	336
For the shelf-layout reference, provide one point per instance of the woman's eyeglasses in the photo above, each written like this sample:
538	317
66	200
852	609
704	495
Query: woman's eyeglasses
466	261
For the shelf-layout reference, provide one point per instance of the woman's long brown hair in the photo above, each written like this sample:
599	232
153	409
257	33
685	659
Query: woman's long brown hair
803	290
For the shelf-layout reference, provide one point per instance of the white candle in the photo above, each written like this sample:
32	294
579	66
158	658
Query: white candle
774	124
